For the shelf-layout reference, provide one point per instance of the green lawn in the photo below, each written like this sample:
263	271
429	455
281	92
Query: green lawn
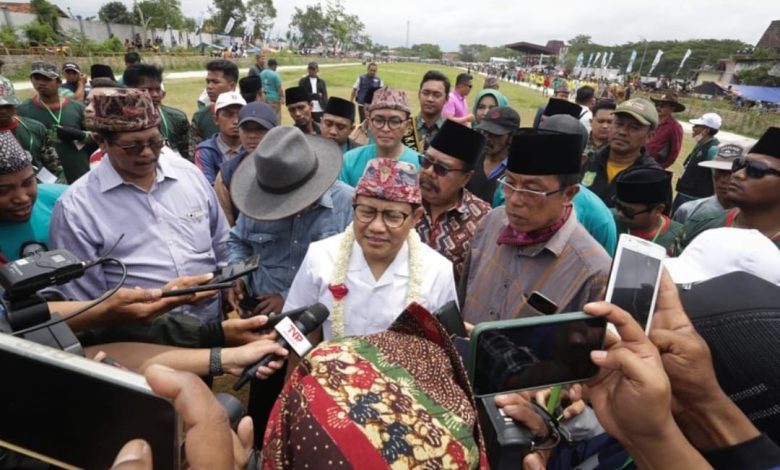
183	94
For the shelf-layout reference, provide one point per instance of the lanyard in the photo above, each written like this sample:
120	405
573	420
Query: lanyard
165	124
32	141
58	117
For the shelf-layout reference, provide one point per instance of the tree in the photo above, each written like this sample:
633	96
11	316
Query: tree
47	14
580	40
310	24
39	33
159	14
426	51
115	12
342	27
471	52
263	13
221	11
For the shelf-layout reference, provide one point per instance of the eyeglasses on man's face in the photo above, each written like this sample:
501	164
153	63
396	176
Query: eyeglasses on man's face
366	214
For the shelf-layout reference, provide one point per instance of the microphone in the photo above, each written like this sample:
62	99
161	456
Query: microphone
291	335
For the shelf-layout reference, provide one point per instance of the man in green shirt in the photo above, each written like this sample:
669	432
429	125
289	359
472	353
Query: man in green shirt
221	77
272	88
62	116
174	127
33	138
642	200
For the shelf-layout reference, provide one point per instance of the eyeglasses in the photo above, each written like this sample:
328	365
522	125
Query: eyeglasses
753	168
438	168
393	123
628	212
138	147
366	214
527	194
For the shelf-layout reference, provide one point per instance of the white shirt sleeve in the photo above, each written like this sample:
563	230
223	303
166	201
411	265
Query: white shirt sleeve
357	83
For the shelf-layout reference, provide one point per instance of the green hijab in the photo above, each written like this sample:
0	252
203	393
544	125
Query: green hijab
500	99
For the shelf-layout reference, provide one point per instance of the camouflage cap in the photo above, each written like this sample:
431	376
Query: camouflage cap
7	96
44	68
120	110
389	98
13	158
641	110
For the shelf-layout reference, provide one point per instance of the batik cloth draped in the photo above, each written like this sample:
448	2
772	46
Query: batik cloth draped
396	399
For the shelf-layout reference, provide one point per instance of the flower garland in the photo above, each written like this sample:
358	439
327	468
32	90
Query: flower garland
339	289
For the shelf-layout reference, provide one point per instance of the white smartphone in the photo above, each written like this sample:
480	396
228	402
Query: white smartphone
72	412
634	279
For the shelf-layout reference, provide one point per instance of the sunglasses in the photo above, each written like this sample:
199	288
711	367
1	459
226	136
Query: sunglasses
137	148
628	212
754	169
438	168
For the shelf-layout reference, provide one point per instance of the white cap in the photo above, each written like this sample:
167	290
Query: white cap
720	251
228	99
711	120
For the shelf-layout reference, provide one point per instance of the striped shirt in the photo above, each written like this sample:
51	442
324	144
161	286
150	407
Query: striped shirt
571	269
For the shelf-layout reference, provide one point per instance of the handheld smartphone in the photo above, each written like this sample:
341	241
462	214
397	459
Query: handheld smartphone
634	279
450	318
70	411
541	303
529	353
222	280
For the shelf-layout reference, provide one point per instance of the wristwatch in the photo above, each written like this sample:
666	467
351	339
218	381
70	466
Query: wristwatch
215	362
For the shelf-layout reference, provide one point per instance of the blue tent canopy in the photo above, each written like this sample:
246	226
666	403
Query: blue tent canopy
758	93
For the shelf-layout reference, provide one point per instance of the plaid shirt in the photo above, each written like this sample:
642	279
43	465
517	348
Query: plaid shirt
451	233
571	269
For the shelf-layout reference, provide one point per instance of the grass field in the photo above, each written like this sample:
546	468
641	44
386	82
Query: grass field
183	94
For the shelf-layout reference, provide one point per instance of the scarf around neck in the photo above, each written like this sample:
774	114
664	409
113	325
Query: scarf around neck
510	236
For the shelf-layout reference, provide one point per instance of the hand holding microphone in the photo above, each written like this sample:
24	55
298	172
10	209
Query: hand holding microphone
292	335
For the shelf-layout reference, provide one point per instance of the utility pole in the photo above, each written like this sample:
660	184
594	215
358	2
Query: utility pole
407	34
642	62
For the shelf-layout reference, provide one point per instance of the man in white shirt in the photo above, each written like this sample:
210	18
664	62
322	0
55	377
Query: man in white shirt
367	275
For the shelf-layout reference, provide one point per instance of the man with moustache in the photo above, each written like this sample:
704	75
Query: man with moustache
600	124
452	212
161	213
632	127
300	109
534	242
338	122
754	190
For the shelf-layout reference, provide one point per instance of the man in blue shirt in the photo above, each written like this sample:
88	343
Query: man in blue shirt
388	116
25	205
287	195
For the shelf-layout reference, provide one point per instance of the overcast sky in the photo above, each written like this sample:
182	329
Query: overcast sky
495	22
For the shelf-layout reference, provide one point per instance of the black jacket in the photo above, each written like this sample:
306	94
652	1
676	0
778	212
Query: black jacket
320	94
594	173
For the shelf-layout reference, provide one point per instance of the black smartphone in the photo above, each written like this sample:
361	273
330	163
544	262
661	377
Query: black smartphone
222	280
541	303
535	352
67	410
450	318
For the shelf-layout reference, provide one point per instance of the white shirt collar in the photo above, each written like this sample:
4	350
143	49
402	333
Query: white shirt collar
399	266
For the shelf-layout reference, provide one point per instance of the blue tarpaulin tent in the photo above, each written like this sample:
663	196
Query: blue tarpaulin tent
758	93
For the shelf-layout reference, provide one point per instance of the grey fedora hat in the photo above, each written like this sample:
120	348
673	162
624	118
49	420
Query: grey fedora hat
286	173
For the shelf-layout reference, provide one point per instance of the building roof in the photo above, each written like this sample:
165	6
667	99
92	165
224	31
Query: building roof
552	48
771	37
27	8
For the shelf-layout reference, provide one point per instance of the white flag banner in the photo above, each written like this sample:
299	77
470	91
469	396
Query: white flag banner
604	60
682	62
655	61
229	26
631	62
609	59
200	25
596	59
590	60
249	28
